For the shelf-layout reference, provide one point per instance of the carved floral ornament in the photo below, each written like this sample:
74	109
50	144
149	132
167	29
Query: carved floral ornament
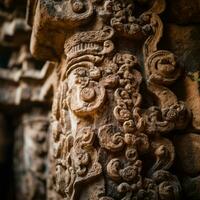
106	144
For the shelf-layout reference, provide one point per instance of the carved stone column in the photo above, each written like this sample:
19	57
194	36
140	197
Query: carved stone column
30	156
113	110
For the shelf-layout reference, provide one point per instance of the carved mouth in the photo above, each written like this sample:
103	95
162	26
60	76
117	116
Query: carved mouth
84	47
90	42
91	48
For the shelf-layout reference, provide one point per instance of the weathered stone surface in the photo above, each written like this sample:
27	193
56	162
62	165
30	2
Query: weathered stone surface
30	156
101	133
187	149
184	41
25	84
125	89
183	11
193	98
191	187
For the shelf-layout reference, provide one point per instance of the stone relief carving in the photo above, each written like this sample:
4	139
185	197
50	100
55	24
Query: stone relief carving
119	128
106	144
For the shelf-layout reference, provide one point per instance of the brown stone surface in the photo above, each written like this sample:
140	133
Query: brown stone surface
187	150
122	78
25	85
193	98
30	156
184	41
191	186
101	133
183	11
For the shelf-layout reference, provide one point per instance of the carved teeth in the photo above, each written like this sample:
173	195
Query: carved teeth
84	46
81	46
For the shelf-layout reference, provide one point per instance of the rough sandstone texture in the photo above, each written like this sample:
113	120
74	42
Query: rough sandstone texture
122	78
25	101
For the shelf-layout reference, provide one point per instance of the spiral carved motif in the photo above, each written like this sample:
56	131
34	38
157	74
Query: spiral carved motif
110	146
161	68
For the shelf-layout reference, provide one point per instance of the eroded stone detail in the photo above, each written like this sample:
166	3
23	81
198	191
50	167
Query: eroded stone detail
107	142
102	135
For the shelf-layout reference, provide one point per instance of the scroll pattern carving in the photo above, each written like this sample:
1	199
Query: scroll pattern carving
107	145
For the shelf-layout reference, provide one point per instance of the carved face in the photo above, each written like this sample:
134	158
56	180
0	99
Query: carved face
85	15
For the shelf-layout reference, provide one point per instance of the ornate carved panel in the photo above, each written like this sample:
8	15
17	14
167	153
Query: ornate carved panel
114	112
122	77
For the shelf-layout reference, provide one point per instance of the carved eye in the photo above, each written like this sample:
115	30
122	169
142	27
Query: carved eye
78	6
81	72
88	94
